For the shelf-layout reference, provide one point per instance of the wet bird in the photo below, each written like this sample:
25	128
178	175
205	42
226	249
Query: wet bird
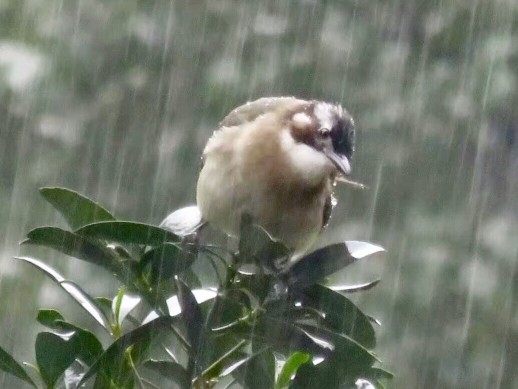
276	159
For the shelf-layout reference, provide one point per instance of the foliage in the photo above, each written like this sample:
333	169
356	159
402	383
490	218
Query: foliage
240	331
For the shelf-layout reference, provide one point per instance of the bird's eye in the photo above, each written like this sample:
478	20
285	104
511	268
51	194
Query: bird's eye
324	132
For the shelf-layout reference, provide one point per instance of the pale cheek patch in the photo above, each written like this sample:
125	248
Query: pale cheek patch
309	164
301	120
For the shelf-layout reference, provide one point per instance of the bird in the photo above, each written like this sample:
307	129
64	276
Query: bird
277	160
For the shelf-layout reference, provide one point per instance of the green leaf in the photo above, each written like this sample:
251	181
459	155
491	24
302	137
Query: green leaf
80	247
53	355
359	249
79	295
283	336
171	370
309	376
191	313
353	288
323	262
123	304
49	317
128	232
109	363
167	260
317	265
75	208
226	310
226	363
258	372
348	357
9	365
377	373
88	347
290	368
341	315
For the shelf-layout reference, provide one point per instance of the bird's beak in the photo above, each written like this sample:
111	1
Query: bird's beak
340	161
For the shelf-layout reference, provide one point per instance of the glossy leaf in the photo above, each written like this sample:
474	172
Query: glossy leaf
79	295
78	246
9	365
323	262
191	313
348	356
166	261
284	336
171	370
108	362
173	305
354	288
377	373
359	249
227	362
309	376
258	372
88	347
123	305
184	221
77	209
49	317
128	232
290	368
53	355
341	314
317	265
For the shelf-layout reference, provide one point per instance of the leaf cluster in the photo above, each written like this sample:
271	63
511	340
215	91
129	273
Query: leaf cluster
267	324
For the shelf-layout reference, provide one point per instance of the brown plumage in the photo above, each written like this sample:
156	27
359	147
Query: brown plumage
276	159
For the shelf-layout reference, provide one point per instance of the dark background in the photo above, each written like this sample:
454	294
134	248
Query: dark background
116	99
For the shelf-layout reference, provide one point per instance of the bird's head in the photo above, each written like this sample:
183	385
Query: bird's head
327	128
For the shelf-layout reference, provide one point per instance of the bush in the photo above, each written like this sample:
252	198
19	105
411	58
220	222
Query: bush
259	328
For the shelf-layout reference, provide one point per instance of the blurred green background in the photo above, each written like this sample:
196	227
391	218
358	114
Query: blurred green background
116	99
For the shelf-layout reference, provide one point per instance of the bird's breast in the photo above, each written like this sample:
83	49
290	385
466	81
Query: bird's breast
260	170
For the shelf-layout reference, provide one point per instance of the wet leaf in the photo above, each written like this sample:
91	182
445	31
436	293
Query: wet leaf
166	261
88	347
225	364
290	368
53	355
309	376
377	373
184	221
128	232
77	209
123	305
9	365
359	249
226	310
354	288
283	336
80	247
79	295
348	356
108	363
171	370
258	372
323	262
317	265
49	317
191	313
174	307
341	314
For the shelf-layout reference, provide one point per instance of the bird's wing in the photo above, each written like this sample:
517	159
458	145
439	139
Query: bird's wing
251	110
